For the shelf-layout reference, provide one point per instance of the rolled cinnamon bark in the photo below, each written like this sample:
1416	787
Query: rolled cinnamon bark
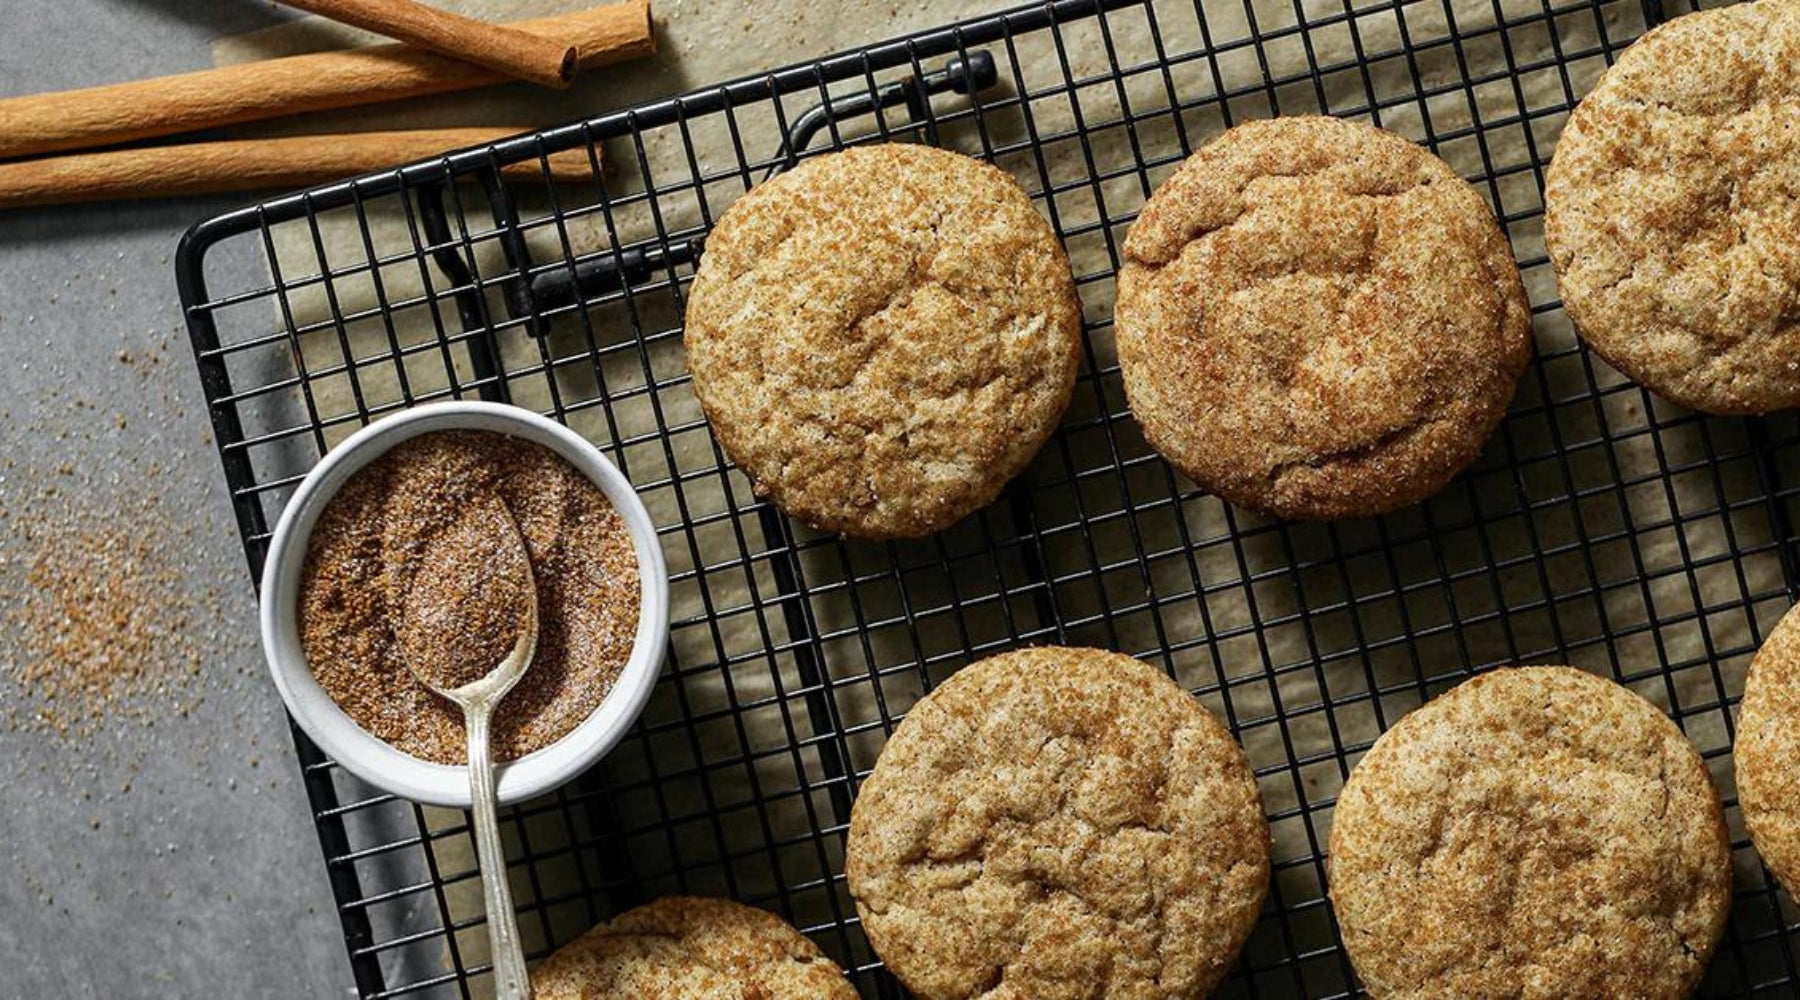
542	60
168	105
253	165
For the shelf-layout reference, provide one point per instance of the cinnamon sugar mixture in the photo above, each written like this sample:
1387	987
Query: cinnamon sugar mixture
385	550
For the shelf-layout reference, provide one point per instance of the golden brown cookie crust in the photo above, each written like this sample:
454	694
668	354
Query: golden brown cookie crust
689	948
1767	752
1319	319
1671	210
882	337
1537	832
1057	823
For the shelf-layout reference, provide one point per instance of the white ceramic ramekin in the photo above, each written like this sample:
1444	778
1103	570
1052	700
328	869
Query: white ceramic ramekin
375	761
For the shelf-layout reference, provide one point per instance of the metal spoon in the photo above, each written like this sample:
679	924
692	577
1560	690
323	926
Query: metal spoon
478	699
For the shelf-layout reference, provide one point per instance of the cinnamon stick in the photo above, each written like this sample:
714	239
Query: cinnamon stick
253	164
540	59
123	112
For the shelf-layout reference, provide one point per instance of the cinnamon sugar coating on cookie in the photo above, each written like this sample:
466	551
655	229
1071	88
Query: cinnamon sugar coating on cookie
1319	319
1534	833
882	337
1672	210
1059	823
691	948
1767	751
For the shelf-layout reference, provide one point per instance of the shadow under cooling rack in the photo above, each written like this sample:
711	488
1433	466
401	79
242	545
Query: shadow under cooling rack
1601	527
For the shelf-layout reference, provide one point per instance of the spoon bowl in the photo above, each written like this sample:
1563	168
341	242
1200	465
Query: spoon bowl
486	691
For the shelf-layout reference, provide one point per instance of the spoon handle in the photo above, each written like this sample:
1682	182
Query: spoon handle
510	980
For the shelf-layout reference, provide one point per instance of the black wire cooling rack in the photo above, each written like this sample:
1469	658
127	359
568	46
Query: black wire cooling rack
1602	527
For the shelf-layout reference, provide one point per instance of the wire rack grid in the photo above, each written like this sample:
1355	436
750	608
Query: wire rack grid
1602	527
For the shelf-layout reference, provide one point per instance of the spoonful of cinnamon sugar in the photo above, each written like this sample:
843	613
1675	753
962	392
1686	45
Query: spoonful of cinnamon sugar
468	629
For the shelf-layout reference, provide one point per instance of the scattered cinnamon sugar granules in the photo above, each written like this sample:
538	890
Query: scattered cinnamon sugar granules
113	615
96	610
365	554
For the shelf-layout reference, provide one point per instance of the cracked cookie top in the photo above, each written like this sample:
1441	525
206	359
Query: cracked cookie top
882	337
1767	751
689	948
1536	832
1059	823
1672	210
1319	319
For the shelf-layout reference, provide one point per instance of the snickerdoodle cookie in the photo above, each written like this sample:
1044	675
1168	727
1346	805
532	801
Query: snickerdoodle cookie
1057	823
1537	832
1767	752
1670	210
686	948
882	337
1319	319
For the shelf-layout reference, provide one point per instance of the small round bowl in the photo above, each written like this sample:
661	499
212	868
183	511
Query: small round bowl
361	752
